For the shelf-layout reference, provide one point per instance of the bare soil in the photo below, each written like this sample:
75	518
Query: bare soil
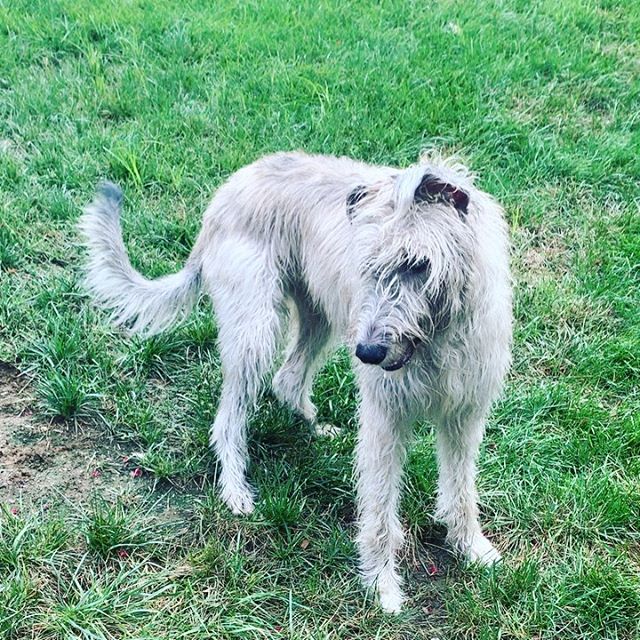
45	463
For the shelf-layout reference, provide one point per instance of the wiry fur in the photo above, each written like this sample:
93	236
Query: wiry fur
144	306
412	263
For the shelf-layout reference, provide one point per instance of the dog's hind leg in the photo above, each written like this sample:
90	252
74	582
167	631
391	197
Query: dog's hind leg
380	455
458	440
248	304
310	335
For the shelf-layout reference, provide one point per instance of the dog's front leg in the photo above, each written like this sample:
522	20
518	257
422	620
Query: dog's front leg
380	456
458	442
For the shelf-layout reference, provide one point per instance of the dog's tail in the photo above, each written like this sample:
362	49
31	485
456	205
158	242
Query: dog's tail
144	306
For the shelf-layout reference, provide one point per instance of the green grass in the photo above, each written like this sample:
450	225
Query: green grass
168	99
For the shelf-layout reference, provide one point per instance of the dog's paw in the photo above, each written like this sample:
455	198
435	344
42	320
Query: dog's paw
326	430
482	552
240	501
390	594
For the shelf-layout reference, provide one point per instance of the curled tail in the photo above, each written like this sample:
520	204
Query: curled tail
144	306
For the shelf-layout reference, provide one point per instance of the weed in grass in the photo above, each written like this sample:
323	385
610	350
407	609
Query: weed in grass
152	357
29	540
113	529
62	286
104	604
334	547
166	465
63	345
17	592
282	501
64	395
138	422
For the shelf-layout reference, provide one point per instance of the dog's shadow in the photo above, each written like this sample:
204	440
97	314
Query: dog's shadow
287	456
289	460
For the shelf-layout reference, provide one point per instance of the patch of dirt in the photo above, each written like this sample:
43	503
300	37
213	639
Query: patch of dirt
53	463
430	563
539	259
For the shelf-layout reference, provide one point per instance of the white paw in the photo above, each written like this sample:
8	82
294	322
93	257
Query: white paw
326	430
391	597
389	591
482	551
240	501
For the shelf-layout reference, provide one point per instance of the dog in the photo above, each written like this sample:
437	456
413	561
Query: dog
407	267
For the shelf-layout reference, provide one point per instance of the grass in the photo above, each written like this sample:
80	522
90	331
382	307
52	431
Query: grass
169	99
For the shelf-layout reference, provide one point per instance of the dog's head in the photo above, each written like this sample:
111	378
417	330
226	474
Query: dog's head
413	246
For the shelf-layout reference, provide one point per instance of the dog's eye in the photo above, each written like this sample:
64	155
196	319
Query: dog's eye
419	268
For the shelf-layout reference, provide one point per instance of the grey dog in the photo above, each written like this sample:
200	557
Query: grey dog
408	267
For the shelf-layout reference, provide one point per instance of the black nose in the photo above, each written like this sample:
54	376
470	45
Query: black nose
371	353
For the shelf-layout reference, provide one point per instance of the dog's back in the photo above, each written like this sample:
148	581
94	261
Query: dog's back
293	206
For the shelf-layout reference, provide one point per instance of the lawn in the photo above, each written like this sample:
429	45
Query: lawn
541	99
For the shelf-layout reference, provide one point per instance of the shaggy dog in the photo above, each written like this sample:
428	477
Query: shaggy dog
408	267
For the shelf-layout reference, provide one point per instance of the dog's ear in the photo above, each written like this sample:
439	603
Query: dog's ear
355	195
432	189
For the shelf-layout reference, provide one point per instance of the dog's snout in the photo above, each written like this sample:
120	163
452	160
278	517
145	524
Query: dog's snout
371	353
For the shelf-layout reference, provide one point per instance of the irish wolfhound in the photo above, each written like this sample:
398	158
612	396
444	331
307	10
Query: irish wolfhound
408	267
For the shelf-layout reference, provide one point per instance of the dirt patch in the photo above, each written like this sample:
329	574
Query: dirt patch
539	258
44	463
